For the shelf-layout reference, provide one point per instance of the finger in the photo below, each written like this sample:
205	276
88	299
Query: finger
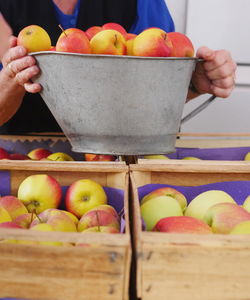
224	71
205	53
221	57
12	41
12	54
22	63
225	83
25	75
32	87
220	92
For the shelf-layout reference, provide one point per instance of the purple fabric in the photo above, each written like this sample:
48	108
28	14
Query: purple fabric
4	183
235	153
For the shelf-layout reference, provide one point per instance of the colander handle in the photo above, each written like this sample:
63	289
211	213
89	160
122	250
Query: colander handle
198	109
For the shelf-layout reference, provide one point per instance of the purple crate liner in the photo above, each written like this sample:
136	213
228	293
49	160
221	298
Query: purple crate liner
234	153
115	196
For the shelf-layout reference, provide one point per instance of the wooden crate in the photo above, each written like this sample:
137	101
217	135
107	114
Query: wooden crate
98	271
189	266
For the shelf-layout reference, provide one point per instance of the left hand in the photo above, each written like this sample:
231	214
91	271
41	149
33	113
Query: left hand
216	75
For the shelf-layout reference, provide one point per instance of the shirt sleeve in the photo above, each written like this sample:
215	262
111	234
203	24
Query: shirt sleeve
152	13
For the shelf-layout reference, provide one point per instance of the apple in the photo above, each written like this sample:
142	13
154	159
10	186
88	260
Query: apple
129	37
158	156
13	205
72	216
152	42
98	157
9	224
247	156
24	220
34	38
182	45
83	195
182	224
4	154
4	215
157	208
114	26
167	191
18	156
108	42
60	156
39	192
44	227
104	229
198	207
246	204
91	31
102	215
222	217
73	40
191	158
39	153
241	228
58	219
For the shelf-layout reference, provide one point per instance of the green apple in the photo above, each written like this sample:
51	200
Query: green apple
247	156
223	217
39	192
157	208
159	156
167	191
83	195
59	156
241	228
198	207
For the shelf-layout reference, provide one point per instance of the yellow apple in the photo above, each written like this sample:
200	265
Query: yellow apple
4	215
39	192
223	217
83	195
246	204
247	156
191	158
60	156
108	41
129	37
158	156
198	207
13	205
44	227
157	208
241	228
152	42
34	38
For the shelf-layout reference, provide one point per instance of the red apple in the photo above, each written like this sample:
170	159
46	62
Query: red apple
102	215
4	154
99	157
39	192
18	156
114	26
182	45
39	153
13	205
73	40
83	195
104	229
108	42
153	42
182	224
24	220
91	31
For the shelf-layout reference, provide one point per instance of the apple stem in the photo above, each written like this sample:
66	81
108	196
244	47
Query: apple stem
60	26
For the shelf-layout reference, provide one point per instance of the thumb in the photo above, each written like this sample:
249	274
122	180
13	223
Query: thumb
205	53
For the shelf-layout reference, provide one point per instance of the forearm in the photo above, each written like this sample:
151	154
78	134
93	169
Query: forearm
11	96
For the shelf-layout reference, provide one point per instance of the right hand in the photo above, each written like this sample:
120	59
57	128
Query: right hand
20	67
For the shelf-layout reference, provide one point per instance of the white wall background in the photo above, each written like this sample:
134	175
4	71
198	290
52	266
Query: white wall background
219	24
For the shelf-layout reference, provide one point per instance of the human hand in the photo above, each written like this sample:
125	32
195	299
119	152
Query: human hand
216	75
20	67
